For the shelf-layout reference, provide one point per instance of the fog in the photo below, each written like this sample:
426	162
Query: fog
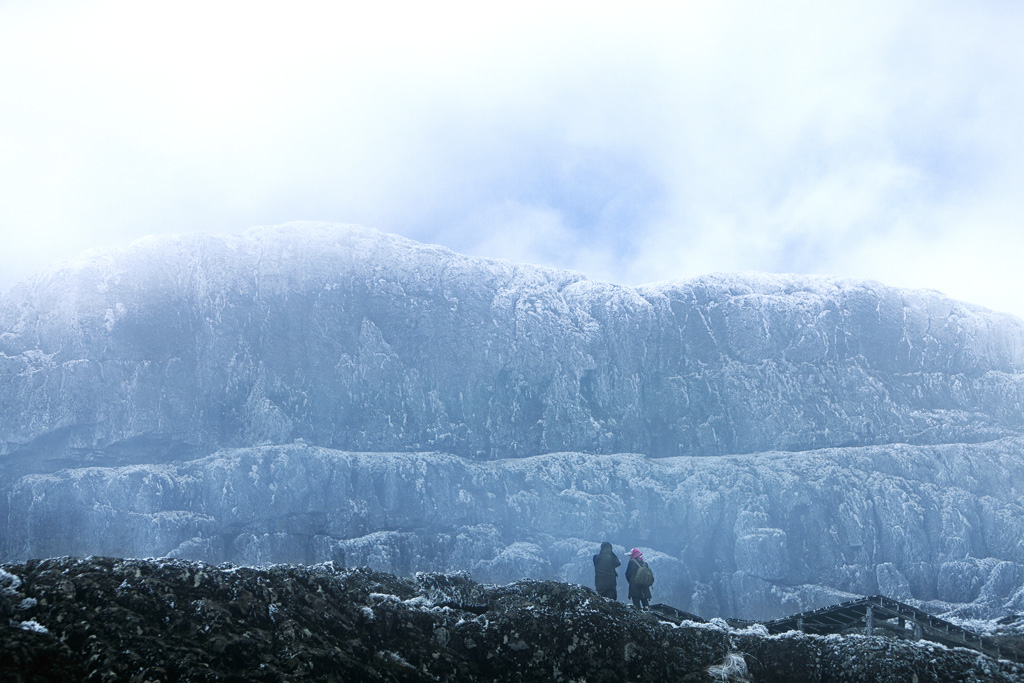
866	139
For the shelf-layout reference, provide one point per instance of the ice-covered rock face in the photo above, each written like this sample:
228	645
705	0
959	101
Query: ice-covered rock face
755	536
352	339
221	384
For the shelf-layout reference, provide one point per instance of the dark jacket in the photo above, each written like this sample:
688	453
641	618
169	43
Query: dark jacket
605	563
636	591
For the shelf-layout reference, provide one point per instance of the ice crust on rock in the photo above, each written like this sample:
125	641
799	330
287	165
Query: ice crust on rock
354	339
827	525
315	392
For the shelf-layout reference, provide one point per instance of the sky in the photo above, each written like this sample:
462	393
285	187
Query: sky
635	144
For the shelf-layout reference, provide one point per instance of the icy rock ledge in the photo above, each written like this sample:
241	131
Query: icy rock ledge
754	536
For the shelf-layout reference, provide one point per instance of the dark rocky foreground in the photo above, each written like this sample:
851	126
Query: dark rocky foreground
103	619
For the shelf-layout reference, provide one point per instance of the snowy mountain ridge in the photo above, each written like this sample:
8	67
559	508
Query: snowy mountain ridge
353	339
311	392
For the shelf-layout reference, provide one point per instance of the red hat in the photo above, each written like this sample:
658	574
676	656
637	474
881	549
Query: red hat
636	554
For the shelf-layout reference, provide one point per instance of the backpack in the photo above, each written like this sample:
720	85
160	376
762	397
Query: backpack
644	576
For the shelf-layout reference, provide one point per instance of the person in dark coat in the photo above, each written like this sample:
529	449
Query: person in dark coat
605	575
640	595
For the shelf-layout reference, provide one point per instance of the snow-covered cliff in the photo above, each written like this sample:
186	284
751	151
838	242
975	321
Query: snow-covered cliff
314	392
353	339
754	536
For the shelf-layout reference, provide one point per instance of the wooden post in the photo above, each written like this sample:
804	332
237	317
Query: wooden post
800	624
869	620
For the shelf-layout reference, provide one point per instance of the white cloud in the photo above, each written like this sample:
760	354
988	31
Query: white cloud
864	139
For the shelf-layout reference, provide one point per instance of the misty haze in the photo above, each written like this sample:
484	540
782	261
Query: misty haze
534	342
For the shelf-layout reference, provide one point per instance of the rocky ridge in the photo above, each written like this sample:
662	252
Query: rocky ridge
104	619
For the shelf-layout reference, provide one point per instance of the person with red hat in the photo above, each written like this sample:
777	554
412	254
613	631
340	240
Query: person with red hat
640	579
